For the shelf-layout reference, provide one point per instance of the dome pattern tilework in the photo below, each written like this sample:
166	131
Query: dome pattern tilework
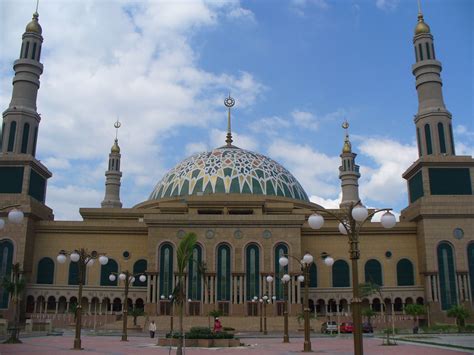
229	170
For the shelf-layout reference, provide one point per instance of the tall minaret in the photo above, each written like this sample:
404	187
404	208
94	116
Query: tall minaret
348	173
433	121
20	119
113	175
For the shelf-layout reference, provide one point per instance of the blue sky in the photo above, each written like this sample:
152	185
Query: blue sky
297	69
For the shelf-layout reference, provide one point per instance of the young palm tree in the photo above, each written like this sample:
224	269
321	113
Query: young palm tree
460	313
15	286
184	253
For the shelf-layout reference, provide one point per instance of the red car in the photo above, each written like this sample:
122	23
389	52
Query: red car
346	327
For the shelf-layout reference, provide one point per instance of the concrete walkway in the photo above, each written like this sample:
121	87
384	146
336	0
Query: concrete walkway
258	346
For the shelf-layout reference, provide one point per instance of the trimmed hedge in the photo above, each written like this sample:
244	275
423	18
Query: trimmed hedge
202	333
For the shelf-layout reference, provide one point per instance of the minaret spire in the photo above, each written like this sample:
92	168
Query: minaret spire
113	175
229	102
433	121
348	172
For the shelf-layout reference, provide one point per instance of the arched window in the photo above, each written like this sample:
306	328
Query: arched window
452	139
340	274
447	277
442	141
26	49
139	268
313	276
252	270
166	269
45	271
419	141
24	139
470	261
35	138
429	148
11	136
223	273
373	272
73	278
195	277
33	54
106	270
405	275
6	259
280	250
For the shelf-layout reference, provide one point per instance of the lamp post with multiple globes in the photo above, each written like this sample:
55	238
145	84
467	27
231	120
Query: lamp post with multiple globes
350	224
127	278
84	259
305	264
15	216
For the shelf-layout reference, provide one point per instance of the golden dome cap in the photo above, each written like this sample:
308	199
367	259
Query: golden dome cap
34	25
421	26
115	148
347	148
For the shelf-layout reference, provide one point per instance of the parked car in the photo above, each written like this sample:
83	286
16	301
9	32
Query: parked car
367	328
329	327
346	327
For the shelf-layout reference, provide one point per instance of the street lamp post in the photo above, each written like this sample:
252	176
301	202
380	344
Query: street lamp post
260	306
128	278
15	216
170	297
305	264
266	300
84	259
285	279
350	224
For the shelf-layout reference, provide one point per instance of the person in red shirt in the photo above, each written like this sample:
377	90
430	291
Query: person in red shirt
217	326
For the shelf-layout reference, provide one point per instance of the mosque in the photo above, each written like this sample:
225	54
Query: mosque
247	211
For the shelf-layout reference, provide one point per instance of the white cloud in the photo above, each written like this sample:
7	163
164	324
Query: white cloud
57	163
299	6
384	183
387	5
305	119
217	139
240	13
196	147
270	125
327	202
464	140
67	199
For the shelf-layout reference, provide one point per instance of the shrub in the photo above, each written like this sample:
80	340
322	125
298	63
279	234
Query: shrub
202	333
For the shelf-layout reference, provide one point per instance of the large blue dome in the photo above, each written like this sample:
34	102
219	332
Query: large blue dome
229	169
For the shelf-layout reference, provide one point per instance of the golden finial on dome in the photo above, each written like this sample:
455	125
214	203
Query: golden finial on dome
33	25
229	102
347	148
421	26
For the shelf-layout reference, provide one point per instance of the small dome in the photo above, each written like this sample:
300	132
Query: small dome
115	148
34	25
421	26
347	147
229	169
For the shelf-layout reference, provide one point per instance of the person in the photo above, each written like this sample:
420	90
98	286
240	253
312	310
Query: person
152	329
217	326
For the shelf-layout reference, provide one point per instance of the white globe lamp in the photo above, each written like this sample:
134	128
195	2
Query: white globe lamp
286	278
342	229
308	258
112	278
388	220
283	261
329	261
75	257
142	278
61	258
269	278
301	278
359	213
122	277
15	216
316	221
103	260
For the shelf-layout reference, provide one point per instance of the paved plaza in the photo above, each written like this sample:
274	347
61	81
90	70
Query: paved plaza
261	346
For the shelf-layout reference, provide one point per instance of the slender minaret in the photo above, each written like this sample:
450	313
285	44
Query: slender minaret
433	121
113	175
20	119
348	173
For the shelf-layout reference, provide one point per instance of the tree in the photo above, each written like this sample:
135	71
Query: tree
415	310
135	313
461	314
184	254
14	285
369	313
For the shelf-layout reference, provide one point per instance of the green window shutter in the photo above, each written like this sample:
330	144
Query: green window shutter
11	136
252	270
12	179
313	276
45	271
223	273
166	270
429	147
415	186
452	138
6	260
442	141
405	274
24	139
418	139
340	274
447	276
280	250
37	188
106	270
450	181
470	259
195	276
373	272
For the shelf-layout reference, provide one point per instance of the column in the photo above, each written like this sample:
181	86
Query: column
429	290
156	287
57	306
149	288
244	285
298	287
212	295
206	291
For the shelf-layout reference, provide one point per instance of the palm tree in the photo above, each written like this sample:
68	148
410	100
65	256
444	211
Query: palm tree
460	313
14	285
183	254
415	310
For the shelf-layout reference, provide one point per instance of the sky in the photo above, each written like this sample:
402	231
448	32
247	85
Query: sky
297	69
